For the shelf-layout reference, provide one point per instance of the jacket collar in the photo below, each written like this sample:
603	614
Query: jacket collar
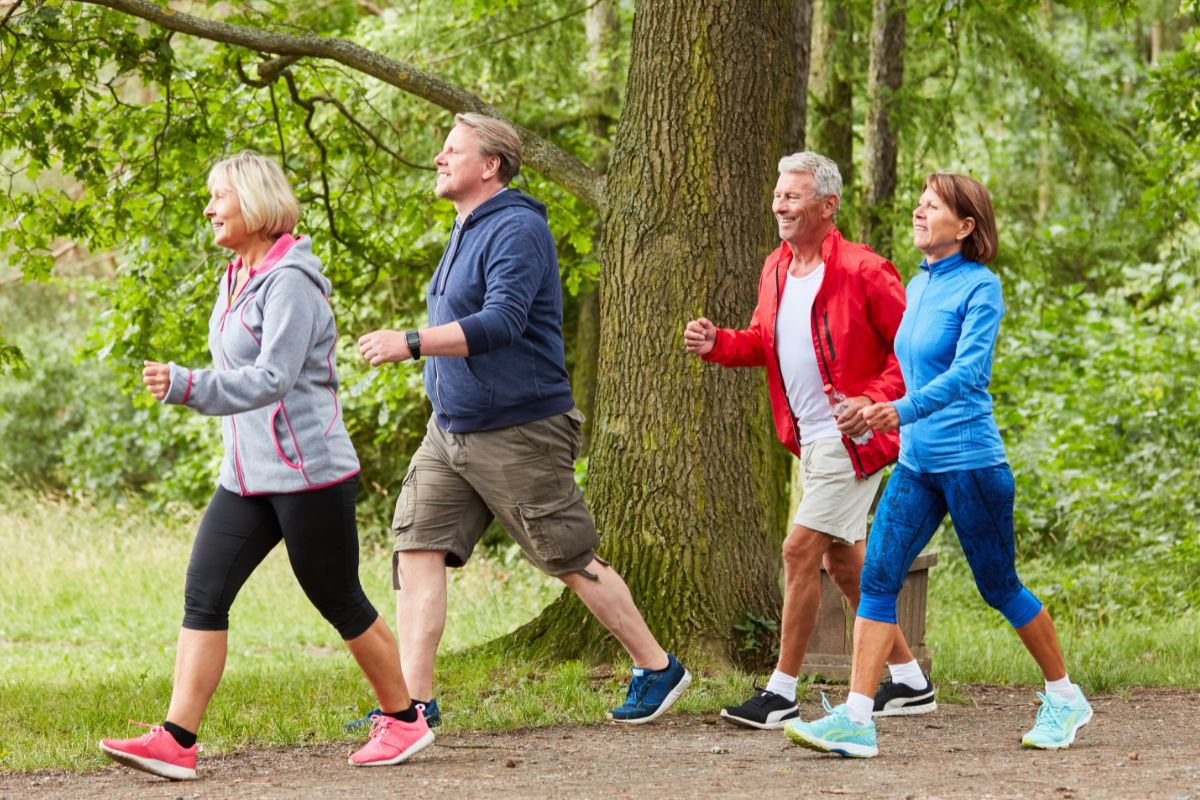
829	247
944	266
277	251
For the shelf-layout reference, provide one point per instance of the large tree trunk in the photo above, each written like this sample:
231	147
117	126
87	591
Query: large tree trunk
885	74
831	113
684	485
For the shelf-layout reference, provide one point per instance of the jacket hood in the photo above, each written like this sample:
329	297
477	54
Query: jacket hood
288	252
506	199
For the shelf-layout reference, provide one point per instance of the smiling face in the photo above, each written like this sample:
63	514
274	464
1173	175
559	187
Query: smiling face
937	231
224	213
799	216
463	172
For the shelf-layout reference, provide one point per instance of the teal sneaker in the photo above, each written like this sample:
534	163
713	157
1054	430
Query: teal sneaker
834	734
1057	721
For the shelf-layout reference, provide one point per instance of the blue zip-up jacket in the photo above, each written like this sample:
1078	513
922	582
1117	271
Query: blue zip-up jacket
945	344
499	279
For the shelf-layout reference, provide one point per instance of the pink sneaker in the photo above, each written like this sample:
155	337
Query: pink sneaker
155	752
393	741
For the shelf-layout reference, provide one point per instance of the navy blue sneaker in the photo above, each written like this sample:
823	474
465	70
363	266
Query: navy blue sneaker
433	716
650	694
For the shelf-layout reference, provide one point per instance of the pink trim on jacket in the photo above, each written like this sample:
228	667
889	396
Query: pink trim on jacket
333	482
275	439
281	246
242	319
187	390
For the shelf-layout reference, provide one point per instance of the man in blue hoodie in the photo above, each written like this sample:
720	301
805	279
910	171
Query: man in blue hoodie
505	432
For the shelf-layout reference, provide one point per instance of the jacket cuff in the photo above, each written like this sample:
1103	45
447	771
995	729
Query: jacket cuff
180	386
714	354
904	407
475	333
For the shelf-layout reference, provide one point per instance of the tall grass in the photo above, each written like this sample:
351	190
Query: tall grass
91	599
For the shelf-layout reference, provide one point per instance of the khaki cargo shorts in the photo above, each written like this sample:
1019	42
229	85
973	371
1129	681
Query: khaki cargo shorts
523	475
835	501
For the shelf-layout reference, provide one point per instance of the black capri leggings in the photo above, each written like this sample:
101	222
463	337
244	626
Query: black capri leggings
320	533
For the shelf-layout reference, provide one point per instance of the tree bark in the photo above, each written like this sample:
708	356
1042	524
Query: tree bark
802	34
685	487
603	30
885	75
831	115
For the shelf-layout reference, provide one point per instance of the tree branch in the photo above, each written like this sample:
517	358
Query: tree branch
549	159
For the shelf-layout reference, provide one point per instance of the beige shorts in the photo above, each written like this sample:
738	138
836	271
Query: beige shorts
835	501
523	475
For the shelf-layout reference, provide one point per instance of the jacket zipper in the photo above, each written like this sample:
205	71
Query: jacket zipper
858	465
237	460
778	364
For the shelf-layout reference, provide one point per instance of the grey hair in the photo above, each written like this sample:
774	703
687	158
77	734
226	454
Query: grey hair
827	178
496	138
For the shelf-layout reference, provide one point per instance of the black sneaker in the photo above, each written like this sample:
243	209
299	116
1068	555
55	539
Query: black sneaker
766	711
900	699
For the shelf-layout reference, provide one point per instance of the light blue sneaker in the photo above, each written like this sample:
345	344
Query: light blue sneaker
834	734
1057	721
650	694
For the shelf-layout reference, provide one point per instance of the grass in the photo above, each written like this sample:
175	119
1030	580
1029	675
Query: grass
91	598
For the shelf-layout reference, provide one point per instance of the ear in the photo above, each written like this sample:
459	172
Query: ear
491	167
965	228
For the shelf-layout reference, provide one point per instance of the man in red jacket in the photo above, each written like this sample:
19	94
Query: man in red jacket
827	312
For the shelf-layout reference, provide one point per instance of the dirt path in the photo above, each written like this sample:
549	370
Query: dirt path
1145	746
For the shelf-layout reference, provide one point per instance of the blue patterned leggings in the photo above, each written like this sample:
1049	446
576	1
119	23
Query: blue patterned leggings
980	502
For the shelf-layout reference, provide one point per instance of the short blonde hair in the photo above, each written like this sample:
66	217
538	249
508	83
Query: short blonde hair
496	138
268	203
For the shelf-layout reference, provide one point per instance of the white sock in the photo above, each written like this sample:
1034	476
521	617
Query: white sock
909	674
859	708
783	685
1061	688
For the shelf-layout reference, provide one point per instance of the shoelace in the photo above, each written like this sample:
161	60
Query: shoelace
379	725
637	689
825	704
1050	713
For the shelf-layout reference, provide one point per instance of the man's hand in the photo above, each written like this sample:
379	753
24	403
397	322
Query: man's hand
157	378
882	417
378	347
699	337
851	422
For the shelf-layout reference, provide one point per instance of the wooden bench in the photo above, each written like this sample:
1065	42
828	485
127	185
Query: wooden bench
832	642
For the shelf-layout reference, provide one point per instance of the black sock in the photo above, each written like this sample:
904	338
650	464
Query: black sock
407	715
185	738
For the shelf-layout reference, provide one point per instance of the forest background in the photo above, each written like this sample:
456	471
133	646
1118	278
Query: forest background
652	129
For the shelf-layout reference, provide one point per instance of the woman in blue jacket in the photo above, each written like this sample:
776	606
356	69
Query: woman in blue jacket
951	460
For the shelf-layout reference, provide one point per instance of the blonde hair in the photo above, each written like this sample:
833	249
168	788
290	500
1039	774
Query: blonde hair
268	203
496	138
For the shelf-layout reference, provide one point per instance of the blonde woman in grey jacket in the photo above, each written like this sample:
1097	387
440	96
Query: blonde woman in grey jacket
289	471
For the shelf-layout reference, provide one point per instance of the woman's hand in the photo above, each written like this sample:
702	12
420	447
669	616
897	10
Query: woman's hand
881	417
157	378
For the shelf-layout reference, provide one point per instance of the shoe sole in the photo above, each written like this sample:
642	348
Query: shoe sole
822	746
1034	746
409	752
152	765
762	726
906	710
667	702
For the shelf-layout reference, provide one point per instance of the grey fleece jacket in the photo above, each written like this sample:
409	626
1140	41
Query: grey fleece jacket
275	384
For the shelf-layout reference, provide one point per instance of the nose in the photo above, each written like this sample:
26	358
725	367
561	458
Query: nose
209	211
440	159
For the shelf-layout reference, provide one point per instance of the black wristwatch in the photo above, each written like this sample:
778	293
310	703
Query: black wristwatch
413	340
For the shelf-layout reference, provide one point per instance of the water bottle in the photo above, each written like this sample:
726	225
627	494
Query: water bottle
839	403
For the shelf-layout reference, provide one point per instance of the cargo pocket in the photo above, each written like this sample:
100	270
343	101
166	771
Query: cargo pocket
558	529
406	505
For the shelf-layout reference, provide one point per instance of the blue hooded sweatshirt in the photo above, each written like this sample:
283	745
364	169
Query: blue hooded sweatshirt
944	345
498	277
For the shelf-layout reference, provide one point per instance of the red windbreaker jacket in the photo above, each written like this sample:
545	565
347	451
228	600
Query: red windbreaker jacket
854	319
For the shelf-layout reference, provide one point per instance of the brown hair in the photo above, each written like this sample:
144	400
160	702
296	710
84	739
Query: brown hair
967	197
496	138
